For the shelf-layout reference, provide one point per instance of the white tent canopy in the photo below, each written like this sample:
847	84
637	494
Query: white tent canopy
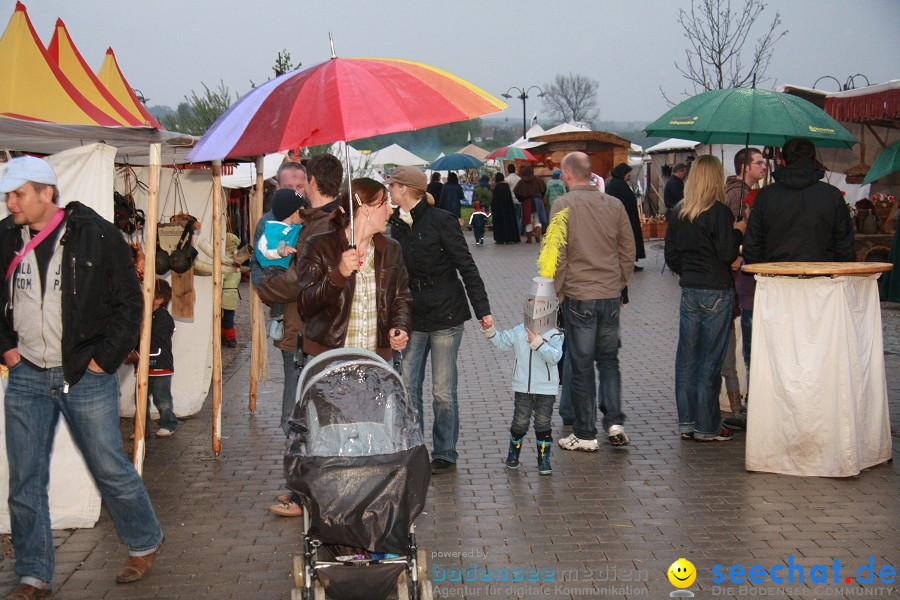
672	145
131	143
395	155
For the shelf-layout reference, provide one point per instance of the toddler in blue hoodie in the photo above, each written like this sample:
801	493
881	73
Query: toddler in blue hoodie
538	347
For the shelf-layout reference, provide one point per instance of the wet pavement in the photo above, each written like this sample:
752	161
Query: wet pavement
606	524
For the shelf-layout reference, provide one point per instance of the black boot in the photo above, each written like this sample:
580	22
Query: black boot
512	457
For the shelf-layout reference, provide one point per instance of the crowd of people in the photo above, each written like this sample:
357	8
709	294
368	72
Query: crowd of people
324	256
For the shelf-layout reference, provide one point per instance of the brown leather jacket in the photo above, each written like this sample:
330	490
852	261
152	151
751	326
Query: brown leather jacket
326	295
282	289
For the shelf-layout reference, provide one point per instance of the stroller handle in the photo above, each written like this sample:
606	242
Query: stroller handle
397	357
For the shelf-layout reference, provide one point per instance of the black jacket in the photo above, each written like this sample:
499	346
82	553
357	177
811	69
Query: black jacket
451	198
619	188
434	250
701	251
673	192
161	340
799	218
102	303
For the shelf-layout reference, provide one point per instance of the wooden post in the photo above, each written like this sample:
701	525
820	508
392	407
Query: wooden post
217	307
256	340
140	408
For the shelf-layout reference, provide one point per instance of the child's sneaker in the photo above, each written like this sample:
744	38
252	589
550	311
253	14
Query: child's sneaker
617	436
276	330
164	432
573	442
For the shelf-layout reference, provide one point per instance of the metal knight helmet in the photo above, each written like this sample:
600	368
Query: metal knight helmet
541	305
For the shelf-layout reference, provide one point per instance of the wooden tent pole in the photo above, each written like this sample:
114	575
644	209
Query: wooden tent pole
256	340
217	307
140	408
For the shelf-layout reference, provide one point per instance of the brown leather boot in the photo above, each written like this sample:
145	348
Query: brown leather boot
528	237
23	591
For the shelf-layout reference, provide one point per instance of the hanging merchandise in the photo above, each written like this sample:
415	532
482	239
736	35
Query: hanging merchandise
182	257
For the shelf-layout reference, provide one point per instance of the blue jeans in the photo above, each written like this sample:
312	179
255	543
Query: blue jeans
289	393
159	387
566	410
702	335
526	404
34	401
444	347
592	337
746	336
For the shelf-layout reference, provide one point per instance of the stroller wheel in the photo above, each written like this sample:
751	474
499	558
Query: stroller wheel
421	565
299	572
402	587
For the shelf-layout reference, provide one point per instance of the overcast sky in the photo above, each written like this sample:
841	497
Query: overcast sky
166	48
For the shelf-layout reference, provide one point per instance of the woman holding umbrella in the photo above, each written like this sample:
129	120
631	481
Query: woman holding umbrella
506	229
355	297
701	243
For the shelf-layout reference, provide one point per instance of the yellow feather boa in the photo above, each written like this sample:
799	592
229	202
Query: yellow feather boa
552	242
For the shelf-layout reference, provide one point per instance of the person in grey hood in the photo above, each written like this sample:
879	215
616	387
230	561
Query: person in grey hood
799	218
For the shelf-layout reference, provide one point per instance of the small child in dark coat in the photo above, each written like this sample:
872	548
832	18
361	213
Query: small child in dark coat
478	221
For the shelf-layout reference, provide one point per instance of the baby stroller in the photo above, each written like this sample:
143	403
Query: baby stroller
357	460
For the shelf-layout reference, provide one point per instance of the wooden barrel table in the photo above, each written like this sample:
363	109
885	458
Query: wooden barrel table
818	402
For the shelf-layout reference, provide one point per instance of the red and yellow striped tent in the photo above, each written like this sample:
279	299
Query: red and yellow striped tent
69	60
34	87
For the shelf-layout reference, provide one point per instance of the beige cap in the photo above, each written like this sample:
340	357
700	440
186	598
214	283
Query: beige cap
410	176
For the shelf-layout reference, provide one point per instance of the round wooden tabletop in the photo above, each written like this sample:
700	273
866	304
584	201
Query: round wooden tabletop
818	268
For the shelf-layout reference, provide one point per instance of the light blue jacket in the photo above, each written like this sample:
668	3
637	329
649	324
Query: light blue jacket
535	371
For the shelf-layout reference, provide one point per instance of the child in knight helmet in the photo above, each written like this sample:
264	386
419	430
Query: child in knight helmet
538	347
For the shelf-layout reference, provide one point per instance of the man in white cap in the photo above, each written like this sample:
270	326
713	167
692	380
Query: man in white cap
71	313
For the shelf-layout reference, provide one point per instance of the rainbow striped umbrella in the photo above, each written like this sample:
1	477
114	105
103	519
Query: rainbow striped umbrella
341	99
511	153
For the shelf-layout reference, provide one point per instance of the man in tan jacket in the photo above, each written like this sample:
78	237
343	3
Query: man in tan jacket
594	267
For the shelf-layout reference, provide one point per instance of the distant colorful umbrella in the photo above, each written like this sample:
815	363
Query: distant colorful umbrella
887	162
342	99
511	153
455	162
750	116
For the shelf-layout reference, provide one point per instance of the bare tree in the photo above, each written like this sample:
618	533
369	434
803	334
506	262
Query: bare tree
572	98
717	35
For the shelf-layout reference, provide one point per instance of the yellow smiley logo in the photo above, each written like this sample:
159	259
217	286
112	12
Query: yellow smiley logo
682	573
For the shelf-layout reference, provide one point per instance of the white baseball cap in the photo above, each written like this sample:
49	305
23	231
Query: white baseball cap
23	169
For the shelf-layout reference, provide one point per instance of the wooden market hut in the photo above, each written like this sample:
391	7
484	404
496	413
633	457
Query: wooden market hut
606	150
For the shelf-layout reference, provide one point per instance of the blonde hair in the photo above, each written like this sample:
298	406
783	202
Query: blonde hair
704	187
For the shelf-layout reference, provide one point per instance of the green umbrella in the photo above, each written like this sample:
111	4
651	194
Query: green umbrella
750	116
887	162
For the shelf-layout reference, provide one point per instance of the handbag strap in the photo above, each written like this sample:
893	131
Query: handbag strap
40	237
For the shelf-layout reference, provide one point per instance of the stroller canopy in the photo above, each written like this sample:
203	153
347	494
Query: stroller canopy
352	403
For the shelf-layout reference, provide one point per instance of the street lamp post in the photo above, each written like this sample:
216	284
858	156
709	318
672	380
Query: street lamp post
523	96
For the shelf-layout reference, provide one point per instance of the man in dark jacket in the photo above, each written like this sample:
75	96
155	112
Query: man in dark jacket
435	250
323	181
799	218
674	190
72	310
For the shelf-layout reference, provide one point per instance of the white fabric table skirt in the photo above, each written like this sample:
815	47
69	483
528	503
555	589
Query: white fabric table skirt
818	394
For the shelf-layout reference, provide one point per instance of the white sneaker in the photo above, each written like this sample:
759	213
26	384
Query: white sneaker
163	432
573	442
617	436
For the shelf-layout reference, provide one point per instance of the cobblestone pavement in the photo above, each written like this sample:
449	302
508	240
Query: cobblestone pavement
618	517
